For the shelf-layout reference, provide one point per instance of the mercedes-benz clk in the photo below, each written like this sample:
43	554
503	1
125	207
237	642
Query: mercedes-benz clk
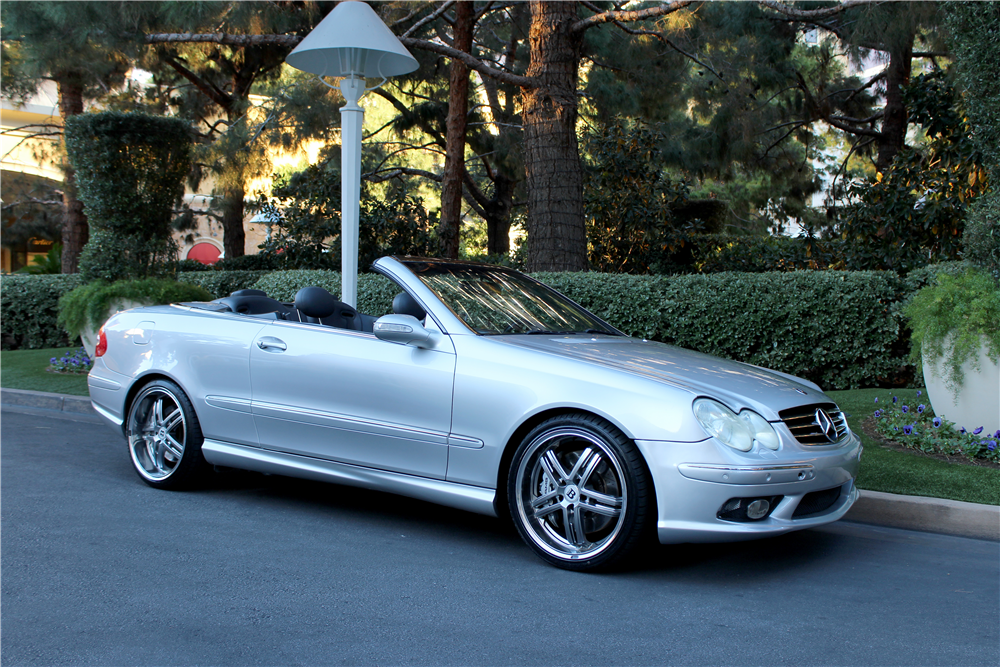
483	390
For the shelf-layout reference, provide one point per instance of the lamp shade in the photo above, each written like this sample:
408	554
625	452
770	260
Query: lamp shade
352	39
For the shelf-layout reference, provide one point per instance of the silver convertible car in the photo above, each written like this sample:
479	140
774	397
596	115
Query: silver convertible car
484	390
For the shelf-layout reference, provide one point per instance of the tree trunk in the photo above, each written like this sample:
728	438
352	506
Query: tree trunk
233	234
75	231
458	107
498	216
557	238
894	120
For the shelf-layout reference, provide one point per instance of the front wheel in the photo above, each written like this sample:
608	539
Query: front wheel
164	437
578	491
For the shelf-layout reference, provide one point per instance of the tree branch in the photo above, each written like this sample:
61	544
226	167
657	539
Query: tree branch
385	174
637	15
472	62
430	17
223	38
811	14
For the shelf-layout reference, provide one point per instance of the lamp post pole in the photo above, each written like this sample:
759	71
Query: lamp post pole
352	118
351	42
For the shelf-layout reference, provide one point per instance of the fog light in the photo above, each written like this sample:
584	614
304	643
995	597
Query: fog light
758	509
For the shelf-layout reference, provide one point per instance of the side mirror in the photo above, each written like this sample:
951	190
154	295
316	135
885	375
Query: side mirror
406	330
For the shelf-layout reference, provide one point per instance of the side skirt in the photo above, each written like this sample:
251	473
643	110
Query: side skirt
460	496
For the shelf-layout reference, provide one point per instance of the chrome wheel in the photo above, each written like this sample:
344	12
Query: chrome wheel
163	434
573	492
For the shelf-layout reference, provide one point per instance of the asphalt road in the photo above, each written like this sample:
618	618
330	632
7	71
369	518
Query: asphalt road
99	569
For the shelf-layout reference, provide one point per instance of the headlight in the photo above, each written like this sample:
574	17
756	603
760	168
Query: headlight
737	431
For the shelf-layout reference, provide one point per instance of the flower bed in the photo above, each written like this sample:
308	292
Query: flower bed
76	362
917	427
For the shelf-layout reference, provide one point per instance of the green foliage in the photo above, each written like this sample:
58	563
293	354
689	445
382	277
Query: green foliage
222	283
375	292
89	304
717	253
975	28
130	170
305	221
914	425
838	329
952	319
29	309
47	264
629	202
915	212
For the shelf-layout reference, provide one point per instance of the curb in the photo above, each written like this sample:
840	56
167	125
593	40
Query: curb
41	400
931	515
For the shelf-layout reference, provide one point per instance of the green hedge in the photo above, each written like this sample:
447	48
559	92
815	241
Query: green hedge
840	329
375	292
29	309
221	283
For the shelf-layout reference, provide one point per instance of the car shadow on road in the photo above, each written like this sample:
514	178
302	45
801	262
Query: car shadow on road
784	553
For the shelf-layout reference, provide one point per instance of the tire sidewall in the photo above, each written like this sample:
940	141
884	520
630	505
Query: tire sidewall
634	475
192	464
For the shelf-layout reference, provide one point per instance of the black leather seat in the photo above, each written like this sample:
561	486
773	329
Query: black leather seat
316	305
252	304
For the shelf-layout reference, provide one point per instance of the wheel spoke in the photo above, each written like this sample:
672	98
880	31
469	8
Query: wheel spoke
573	525
173	419
158	412
174	447
542	512
544	499
553	468
585	466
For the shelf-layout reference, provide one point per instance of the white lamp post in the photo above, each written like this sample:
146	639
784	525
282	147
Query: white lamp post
351	42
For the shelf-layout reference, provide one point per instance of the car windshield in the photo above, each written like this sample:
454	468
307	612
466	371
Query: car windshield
493	300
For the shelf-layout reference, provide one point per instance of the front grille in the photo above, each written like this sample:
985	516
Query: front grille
817	501
807	426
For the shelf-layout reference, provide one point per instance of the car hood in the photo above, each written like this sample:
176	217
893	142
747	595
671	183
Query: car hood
737	384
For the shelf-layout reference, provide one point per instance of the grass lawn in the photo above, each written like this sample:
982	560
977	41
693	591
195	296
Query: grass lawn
912	474
881	469
25	369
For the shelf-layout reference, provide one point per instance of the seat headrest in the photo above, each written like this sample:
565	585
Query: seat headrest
315	302
249	292
404	304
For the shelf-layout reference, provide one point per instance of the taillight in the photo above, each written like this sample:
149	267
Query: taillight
102	344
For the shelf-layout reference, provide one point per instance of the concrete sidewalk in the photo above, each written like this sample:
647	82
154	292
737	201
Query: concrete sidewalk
932	515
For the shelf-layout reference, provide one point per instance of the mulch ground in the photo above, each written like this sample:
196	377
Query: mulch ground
868	427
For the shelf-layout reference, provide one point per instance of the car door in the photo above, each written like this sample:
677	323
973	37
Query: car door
347	396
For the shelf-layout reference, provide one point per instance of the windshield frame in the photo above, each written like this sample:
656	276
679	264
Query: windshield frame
495	300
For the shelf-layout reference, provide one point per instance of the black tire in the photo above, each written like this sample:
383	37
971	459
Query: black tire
164	437
579	493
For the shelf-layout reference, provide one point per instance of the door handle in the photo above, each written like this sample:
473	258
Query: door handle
271	343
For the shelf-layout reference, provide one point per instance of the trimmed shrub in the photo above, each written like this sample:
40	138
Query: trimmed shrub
222	283
375	292
29	310
839	329
89	304
130	169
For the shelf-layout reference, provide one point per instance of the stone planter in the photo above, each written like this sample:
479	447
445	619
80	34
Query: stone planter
976	402
89	334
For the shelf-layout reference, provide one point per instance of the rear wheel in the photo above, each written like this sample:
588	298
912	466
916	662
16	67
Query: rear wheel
164	437
579	492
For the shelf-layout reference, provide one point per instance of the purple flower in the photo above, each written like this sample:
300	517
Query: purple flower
936	421
878	413
906	408
921	408
895	428
978	431
876	399
53	360
919	392
908	429
894	399
990	445
962	430
997	434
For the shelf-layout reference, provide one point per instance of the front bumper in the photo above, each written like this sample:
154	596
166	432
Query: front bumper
690	494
